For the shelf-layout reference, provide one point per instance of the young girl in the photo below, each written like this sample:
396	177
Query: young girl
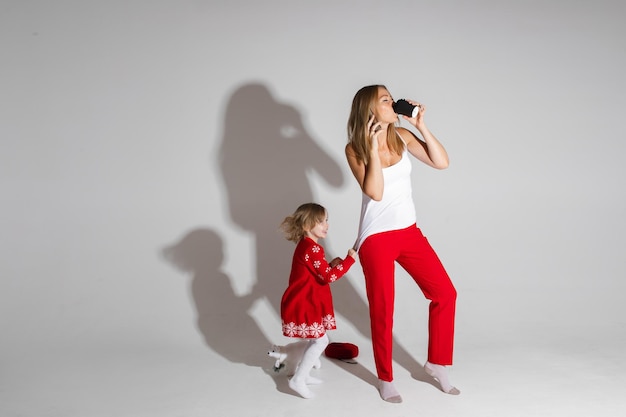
307	305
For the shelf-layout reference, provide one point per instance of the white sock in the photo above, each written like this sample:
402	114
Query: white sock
300	387
440	373
388	391
311	356
297	350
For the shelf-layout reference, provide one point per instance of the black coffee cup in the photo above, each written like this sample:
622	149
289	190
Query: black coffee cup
404	107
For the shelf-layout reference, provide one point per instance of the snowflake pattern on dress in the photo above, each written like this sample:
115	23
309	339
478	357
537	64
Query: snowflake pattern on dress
302	330
290	329
316	330
329	322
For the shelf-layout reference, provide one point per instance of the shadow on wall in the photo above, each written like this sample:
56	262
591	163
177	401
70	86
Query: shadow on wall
221	314
265	156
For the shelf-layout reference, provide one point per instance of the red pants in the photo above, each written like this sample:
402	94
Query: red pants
412	251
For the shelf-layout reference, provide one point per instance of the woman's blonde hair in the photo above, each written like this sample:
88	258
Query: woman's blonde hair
362	104
305	217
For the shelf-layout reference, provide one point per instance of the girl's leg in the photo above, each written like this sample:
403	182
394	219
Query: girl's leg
299	381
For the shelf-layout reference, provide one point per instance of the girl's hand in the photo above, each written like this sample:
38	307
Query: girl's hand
352	252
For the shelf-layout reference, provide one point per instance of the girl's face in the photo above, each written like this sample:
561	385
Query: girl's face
319	231
383	107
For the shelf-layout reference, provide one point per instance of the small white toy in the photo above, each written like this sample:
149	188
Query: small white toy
289	356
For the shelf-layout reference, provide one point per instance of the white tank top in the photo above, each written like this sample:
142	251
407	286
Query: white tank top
395	210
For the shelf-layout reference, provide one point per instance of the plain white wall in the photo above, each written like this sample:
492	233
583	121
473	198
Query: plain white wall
149	150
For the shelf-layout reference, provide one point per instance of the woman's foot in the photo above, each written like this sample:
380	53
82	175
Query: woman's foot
440	373
388	392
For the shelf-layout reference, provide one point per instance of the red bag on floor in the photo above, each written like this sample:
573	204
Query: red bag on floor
337	350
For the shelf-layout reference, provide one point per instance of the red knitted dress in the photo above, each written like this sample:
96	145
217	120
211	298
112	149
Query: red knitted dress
307	304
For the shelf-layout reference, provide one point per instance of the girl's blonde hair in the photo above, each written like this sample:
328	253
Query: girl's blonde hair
362	104
305	217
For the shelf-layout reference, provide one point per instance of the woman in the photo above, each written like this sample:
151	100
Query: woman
378	155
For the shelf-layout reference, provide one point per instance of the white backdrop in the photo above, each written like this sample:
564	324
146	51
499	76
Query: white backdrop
149	150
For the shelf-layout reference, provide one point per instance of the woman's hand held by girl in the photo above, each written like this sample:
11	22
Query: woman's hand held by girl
335	262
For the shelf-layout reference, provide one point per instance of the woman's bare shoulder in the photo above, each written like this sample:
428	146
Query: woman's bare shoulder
350	151
406	135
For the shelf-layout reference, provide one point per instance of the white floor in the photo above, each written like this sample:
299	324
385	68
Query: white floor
503	369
